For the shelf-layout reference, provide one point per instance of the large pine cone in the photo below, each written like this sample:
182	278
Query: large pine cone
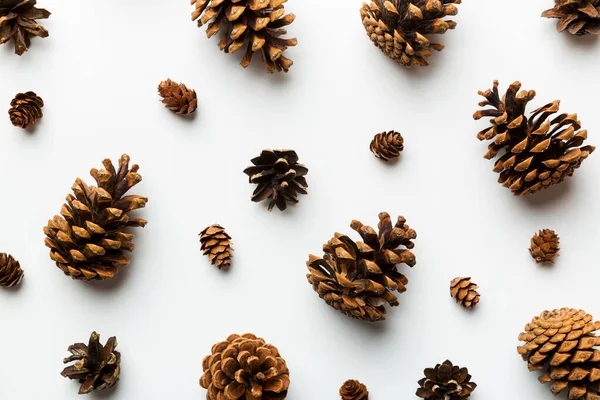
216	243
464	291
578	17
88	240
178	98
536	152
446	382
562	344
11	273
358	278
544	246
25	109
96	367
387	145
17	22
398	27
245	367
354	390
255	24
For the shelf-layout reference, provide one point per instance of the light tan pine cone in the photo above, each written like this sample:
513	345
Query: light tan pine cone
178	98
17	22
464	291
387	145
11	273
544	246
578	17
25	109
216	243
446	382
354	390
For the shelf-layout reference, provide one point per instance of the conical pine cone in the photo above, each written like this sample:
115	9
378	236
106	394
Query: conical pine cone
17	22
178	98
354	390
544	246
245	367
279	178
255	25
578	17
96	367
536	152
11	273
446	382
88	240
216	243
464	291
358	278
25	109
387	145
399	27
562	344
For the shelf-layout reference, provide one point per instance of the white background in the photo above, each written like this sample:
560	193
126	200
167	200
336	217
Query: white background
98	72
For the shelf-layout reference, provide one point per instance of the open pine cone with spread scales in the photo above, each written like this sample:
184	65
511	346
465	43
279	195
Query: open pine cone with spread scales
578	17
446	382
17	22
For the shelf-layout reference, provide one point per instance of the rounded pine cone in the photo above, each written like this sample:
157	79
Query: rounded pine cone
562	344
578	17
11	273
25	109
464	291
446	382
354	390
17	22
536	152
178	98
216	243
245	367
358	278
544	246
387	145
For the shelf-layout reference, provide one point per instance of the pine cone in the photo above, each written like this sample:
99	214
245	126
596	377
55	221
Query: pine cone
88	240
464	291
354	390
279	177
216	243
255	24
561	343
17	22
446	382
96	367
359	278
536	152
578	17
387	145
544	246
25	109
178	98
245	365
398	27
11	273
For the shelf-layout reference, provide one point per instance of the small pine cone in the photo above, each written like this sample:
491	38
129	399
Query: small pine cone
578	17
446	382
536	152
25	109
354	390
279	178
178	98
17	22
387	145
544	246
464	291
562	345
96	367
11	273
216	243
245	367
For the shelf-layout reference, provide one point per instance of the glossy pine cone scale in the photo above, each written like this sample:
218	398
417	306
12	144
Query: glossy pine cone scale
578	17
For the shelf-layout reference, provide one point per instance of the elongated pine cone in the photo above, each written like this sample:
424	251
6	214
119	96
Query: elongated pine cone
278	176
253	24
96	367
358	278
446	382
354	390
178	98
11	273
578	17
536	152
399	27
544	246
562	345
88	240
245	367
17	22
216	243
25	109
387	145
464	291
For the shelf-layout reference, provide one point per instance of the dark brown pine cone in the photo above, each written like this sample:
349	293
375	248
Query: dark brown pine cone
578	17
544	246
216	243
446	382
25	109
464	292
354	390
17	22
387	145
178	98
11	273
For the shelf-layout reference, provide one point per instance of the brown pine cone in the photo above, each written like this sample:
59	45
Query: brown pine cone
562	344
178	98
25	109
578	17
387	145
17	22
96	367
464	291
216	243
446	382
245	367
544	246
354	390
536	152
11	273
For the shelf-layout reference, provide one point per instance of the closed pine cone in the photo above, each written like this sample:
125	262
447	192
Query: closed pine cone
253	24
464	291
25	109
17	22
216	243
245	367
354	390
11	273
446	382
544	246
178	98
536	152
399	27
562	345
387	145
358	278
578	17
88	239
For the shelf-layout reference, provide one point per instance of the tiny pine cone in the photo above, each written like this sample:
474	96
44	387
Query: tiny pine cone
216	243
354	390
464	291
544	246
11	273
387	145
